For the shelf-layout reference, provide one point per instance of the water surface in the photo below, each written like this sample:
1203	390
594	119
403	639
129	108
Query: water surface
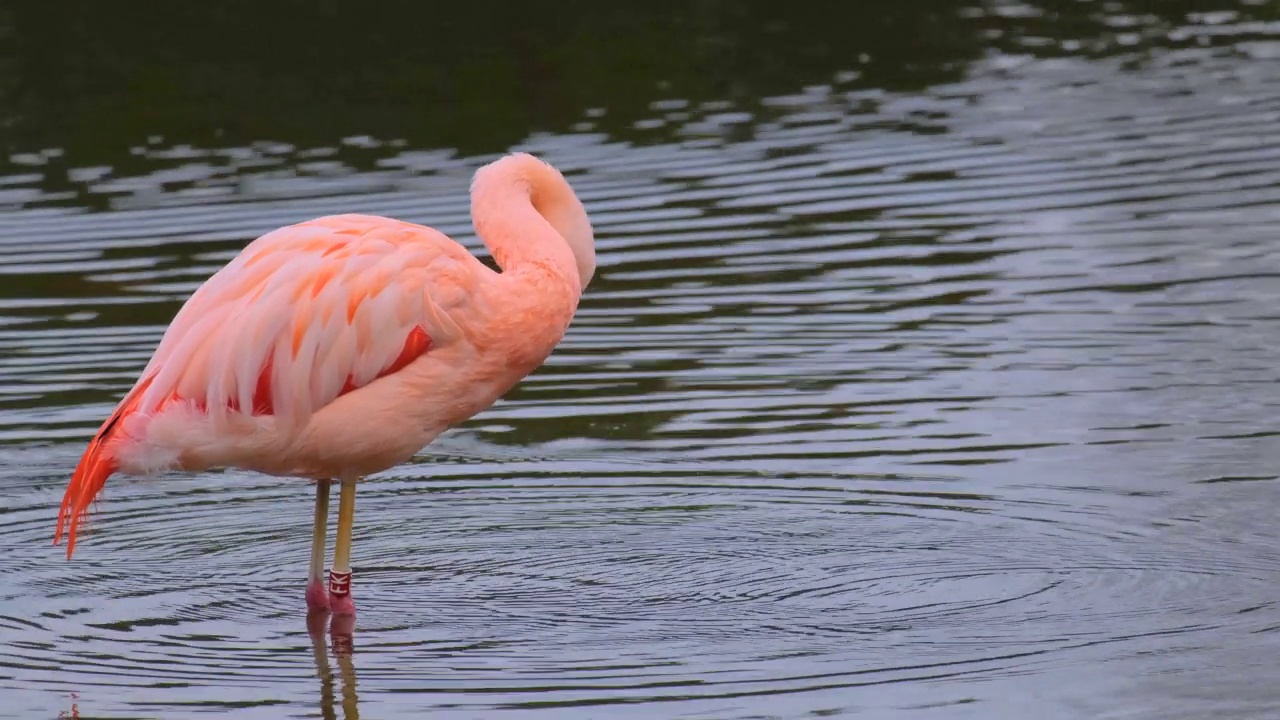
938	385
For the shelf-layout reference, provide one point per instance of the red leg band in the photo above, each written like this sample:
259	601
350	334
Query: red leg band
339	583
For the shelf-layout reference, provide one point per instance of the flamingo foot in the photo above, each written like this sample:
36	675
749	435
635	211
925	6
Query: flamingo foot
343	605
340	601
317	596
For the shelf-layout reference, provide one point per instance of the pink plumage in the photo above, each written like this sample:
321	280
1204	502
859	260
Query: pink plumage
343	345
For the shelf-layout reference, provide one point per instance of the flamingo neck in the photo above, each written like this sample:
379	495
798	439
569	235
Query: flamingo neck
528	217
518	236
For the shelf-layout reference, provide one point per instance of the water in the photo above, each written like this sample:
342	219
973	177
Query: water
931	384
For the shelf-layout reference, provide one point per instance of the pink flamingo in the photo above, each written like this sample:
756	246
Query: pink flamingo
342	346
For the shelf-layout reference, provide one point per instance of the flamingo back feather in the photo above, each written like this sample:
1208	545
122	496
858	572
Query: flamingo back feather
303	315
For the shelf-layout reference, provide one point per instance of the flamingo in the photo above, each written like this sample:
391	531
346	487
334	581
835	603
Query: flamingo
341	346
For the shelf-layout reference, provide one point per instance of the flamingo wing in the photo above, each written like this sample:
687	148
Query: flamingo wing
307	313
301	316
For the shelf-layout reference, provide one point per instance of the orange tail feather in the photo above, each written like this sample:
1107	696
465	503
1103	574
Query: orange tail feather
96	465
89	478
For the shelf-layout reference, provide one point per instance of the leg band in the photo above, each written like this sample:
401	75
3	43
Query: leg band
339	583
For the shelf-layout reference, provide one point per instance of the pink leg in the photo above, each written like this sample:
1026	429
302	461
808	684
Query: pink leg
317	595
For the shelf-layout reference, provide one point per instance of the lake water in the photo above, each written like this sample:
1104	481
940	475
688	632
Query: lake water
928	373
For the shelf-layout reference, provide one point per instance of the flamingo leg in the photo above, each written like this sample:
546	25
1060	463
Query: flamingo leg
317	596
340	575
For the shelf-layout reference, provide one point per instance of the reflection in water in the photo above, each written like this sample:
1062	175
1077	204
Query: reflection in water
341	629
943	394
73	713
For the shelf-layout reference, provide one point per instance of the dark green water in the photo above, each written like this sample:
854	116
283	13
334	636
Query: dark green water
929	371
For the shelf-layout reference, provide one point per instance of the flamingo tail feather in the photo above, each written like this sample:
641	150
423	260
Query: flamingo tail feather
96	465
